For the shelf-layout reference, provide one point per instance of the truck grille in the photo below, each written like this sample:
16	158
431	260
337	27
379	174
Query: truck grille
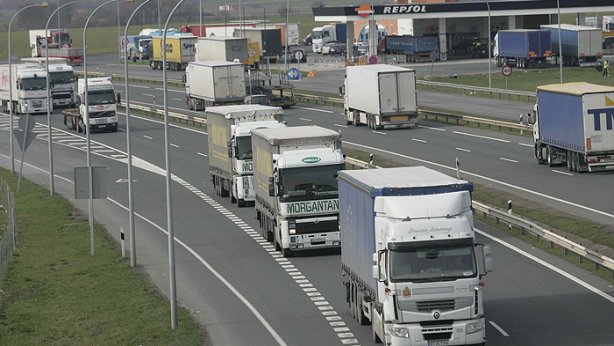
313	227
37	103
437	330
430	305
441	305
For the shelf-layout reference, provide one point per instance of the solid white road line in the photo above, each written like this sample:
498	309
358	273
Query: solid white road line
508	160
465	150
138	86
526	145
314	109
432	128
498	328
483	137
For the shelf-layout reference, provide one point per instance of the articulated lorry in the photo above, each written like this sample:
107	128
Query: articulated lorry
102	109
62	80
230	147
295	170
180	50
410	262
581	45
214	83
416	48
573	126
379	96
29	88
523	48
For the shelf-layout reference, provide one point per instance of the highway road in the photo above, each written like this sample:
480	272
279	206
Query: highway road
246	294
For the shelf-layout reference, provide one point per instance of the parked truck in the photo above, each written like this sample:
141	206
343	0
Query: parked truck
379	95
29	89
581	45
102	110
137	47
62	80
221	48
295	170
411	266
573	126
321	35
523	48
230	147
180	50
269	41
416	48
292	33
214	83
59	42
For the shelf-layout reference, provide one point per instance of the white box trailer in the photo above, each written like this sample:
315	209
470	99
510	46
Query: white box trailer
214	83
221	48
379	96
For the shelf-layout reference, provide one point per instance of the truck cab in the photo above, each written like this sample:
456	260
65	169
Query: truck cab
102	106
321	35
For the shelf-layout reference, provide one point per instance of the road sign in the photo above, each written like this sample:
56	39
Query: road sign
373	60
26	125
506	70
298	55
294	73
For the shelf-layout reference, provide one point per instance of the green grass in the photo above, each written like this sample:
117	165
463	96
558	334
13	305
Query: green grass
56	293
572	227
528	80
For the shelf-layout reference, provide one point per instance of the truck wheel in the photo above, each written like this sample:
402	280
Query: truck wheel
189	103
568	160
286	253
241	203
549	156
152	64
355	115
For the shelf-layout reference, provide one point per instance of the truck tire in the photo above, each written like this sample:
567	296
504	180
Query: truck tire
549	156
355	115
241	203
360	315
569	160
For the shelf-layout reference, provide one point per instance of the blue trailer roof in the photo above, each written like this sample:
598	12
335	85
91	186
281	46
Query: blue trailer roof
576	88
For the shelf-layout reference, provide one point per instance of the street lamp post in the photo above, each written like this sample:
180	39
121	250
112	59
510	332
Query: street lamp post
169	209
49	102
87	125
558	6
489	49
128	143
43	5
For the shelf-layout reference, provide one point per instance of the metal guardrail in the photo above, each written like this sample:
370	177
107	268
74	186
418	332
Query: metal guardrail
481	91
525	226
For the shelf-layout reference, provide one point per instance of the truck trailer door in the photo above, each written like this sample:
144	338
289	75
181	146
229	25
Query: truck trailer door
388	93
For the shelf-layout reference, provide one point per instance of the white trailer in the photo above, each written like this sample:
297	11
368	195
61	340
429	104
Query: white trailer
221	48
230	147
214	83
28	86
379	96
295	170
410	263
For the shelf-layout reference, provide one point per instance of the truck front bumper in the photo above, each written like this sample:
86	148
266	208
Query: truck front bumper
469	332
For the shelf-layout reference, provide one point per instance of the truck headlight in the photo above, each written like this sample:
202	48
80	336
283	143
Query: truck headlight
474	327
292	227
400	332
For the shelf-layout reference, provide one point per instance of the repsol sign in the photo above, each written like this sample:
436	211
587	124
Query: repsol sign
404	9
312	207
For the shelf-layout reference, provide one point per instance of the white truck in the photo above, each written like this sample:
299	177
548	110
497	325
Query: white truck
321	35
62	80
29	88
410	262
230	147
379	96
573	126
221	48
102	109
214	83
295	170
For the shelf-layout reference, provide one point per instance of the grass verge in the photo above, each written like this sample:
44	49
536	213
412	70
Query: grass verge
56	293
578	230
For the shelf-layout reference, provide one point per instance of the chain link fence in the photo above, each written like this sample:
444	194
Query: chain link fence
7	226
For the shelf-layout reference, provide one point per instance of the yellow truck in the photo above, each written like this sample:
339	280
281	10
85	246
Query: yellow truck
180	50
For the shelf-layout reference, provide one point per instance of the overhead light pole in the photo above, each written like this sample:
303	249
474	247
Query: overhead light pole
169	209
128	143
11	149
49	100
489	49
558	6
87	124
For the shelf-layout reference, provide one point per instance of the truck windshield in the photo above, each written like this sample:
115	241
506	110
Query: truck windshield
63	77
432	263
33	83
316	35
101	97
244	148
308	183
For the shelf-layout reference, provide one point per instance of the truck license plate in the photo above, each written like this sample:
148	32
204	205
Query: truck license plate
399	118
439	343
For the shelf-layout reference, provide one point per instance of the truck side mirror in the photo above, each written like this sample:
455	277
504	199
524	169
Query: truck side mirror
229	146
342	90
381	266
271	187
119	98
184	78
486	259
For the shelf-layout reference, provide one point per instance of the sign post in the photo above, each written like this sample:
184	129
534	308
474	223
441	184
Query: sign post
506	71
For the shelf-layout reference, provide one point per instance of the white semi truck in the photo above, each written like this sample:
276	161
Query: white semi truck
214	83
295	170
29	88
62	80
410	262
573	126
230	147
102	102
380	96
